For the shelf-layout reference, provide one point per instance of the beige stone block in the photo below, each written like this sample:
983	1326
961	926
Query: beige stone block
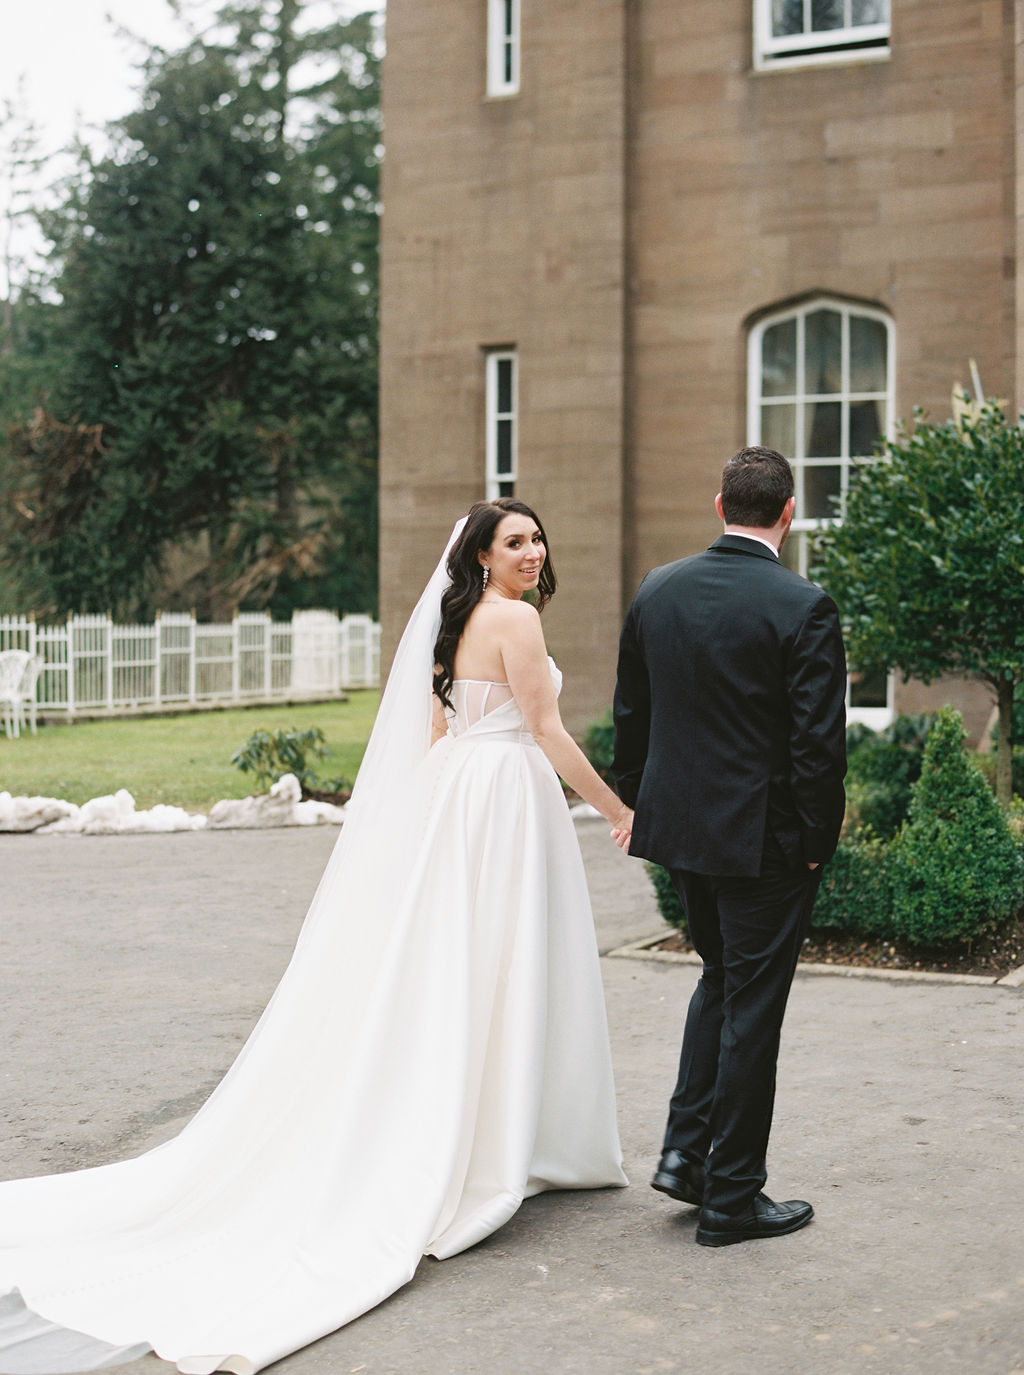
924	130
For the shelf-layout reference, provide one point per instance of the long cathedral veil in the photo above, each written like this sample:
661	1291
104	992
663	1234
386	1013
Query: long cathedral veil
319	1011
400	737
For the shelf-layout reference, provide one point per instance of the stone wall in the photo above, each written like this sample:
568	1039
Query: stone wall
886	182
624	219
503	225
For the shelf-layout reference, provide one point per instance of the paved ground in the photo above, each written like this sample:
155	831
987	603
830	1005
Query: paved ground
132	968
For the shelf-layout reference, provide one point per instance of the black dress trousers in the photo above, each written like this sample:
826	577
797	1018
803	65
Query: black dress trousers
748	932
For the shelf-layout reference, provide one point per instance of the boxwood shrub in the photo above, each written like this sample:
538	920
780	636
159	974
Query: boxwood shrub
955	866
669	904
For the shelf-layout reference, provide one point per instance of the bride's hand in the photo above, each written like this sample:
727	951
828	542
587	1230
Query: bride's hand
622	831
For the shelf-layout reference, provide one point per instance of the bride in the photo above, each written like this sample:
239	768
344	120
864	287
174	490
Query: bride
435	1053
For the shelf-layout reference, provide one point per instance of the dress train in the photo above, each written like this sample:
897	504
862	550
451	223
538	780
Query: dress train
436	1051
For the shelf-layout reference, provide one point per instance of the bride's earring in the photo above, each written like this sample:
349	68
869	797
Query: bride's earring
483	585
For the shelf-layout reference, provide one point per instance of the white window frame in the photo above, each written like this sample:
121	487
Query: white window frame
875	717
503	43
496	481
852	42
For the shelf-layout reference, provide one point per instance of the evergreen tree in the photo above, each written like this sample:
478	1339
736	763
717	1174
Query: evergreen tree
218	331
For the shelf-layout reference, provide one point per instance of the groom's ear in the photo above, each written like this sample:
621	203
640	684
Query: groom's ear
718	508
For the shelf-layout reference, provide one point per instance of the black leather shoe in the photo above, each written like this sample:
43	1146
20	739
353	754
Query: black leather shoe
762	1219
679	1178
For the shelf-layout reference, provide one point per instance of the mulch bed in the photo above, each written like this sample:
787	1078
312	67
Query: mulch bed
993	955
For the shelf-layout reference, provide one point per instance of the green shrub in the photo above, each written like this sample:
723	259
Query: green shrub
955	866
599	744
855	896
669	904
270	755
883	769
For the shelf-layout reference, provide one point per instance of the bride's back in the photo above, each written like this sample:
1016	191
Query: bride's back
478	656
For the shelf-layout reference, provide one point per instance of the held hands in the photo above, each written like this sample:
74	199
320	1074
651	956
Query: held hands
623	828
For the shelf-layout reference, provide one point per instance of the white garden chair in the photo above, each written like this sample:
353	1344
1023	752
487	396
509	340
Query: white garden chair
28	707
12	670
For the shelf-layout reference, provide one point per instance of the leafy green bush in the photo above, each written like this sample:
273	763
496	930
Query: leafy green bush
955	866
855	896
669	904
270	755
882	771
599	744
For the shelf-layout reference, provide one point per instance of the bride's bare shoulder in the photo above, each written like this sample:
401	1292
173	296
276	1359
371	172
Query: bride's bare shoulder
515	611
515	620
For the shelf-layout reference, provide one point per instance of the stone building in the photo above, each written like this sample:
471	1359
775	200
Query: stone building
623	237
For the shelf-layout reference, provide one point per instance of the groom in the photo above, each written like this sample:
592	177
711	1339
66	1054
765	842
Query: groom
730	743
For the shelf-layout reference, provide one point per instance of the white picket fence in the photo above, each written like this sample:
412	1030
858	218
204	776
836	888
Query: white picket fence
92	664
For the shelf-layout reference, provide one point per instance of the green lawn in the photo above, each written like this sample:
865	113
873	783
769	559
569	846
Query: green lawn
183	760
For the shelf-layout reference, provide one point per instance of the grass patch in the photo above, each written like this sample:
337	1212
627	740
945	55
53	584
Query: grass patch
183	760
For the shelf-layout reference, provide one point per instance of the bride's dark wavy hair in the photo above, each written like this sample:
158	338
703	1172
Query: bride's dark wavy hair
466	588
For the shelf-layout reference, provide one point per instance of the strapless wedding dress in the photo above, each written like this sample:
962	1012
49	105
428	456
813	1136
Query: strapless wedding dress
438	1054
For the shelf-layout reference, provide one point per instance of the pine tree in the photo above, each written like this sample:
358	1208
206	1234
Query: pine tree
219	334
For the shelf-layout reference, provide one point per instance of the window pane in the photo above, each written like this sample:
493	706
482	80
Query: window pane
867	425
504	370
821	484
827	14
506	489
778	360
868	349
787	17
823	357
822	437
503	446
870	11
507	19
778	429
869	690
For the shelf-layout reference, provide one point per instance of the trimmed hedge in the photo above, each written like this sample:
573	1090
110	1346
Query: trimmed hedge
956	867
929	857
669	905
855	896
882	771
954	870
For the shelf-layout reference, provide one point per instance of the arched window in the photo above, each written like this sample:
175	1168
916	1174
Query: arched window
821	392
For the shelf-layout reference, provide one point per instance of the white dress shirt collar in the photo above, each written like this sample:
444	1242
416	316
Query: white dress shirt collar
757	540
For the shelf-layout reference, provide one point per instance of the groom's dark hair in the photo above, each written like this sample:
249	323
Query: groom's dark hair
756	484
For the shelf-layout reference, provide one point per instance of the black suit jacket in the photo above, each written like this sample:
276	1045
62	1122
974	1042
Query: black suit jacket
730	718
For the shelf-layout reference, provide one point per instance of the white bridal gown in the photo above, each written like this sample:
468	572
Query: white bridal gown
436	1052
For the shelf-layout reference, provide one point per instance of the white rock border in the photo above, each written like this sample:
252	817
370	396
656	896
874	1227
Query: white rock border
115	814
